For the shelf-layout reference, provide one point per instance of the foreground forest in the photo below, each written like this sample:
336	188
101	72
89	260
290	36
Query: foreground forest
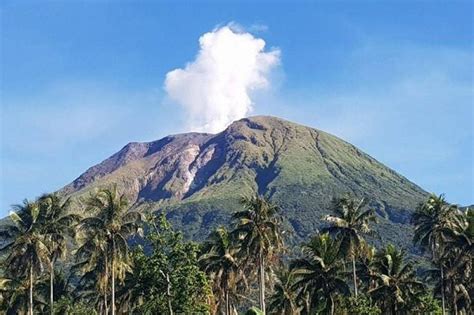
107	259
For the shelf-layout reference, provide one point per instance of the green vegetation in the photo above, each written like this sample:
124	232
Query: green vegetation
165	277
299	168
258	232
113	269
348	223
104	238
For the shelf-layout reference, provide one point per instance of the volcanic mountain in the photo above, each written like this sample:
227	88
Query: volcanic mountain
197	179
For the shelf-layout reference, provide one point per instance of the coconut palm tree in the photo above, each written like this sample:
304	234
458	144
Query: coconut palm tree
57	224
92	266
63	288
350	221
107	232
219	260
458	280
284	298
457	261
27	252
433	220
320	274
258	229
14	297
366	265
397	286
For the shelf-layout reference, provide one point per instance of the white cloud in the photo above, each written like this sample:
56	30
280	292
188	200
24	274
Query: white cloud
215	89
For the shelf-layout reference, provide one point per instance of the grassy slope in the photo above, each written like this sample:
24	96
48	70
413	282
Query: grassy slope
301	168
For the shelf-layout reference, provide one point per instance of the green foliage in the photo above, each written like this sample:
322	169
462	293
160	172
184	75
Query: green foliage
447	233
219	259
104	235
360	305
254	311
68	306
259	236
319	274
284	297
168	273
397	288
426	304
27	253
350	222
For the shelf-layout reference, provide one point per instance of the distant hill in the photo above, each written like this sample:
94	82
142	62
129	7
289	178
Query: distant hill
197	179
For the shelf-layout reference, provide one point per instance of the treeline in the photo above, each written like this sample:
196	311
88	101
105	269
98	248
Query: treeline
107	259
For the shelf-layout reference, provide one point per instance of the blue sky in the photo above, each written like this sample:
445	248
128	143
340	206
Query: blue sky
79	80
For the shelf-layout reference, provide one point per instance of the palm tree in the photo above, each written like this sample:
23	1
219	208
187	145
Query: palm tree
350	220
397	287
366	265
257	228
57	225
63	288
219	261
457	260
27	252
92	257
433	220
14	297
458	280
283	300
109	230
319	275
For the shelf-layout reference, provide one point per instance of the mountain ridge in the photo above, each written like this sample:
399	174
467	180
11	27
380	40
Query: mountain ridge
197	178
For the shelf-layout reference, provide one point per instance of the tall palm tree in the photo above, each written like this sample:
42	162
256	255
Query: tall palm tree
110	228
63	288
27	252
219	260
14	297
258	229
92	265
457	261
320	274
397	286
57	225
350	221
433	220
284	298
366	265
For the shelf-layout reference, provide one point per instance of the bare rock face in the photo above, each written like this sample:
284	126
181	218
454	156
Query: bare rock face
199	177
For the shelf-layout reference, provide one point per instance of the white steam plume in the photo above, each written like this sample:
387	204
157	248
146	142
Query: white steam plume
215	88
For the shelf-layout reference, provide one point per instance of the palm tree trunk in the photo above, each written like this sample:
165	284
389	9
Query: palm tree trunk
443	303
332	305
168	293
455	306
227	308
106	308
354	274
31	290
113	277
262	282
307	304
51	286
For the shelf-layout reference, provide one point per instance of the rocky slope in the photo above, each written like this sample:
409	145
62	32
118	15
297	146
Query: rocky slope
197	179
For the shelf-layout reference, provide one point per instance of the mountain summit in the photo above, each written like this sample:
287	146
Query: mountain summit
198	178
